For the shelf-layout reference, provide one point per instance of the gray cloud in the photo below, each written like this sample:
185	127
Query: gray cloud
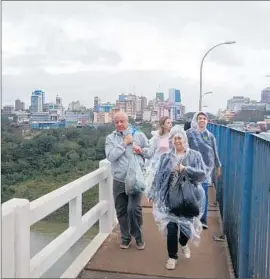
102	64
54	47
225	57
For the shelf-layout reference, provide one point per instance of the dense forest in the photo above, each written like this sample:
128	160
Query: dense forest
36	164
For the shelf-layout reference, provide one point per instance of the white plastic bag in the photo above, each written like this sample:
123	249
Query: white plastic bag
135	181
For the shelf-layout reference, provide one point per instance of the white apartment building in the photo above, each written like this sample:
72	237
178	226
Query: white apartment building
102	117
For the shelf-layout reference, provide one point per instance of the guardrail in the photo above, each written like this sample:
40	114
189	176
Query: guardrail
243	193
19	214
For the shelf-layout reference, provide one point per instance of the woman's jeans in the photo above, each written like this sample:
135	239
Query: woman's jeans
204	217
172	240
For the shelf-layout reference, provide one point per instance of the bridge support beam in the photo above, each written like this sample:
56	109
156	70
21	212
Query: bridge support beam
75	211
106	222
19	246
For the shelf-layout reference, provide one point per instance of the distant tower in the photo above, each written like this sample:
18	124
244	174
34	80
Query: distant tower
37	101
265	95
18	104
96	104
58	100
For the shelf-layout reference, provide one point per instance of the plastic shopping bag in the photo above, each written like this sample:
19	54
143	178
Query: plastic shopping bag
134	182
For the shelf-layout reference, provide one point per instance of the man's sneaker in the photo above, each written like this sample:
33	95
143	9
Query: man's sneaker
171	263
186	251
205	226
125	245
140	245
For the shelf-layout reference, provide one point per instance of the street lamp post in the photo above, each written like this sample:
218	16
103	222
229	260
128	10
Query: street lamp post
225	43
206	93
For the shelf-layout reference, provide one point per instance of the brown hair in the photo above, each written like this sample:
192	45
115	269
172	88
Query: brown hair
162	121
202	113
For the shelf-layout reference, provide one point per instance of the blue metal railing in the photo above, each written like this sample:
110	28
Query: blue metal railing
243	193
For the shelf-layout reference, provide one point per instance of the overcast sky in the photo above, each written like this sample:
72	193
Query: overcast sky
84	49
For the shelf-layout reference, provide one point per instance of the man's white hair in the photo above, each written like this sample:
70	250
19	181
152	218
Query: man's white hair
121	113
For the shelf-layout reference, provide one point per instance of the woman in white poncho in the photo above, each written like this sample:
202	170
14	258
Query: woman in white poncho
158	145
179	161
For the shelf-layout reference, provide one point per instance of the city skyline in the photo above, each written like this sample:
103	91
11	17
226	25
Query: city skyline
27	103
92	49
166	97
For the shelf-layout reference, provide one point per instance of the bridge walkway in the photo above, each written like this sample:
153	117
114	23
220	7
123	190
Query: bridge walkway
209	260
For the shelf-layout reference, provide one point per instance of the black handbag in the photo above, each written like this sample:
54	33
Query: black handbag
181	197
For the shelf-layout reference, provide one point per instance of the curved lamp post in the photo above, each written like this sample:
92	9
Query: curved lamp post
206	93
225	43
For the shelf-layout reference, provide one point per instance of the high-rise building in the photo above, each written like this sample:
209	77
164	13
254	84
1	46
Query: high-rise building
18	104
122	97
107	107
8	110
37	101
138	104
254	106
151	104
175	99
74	106
160	96
58	100
235	104
141	103
102	117
174	95
50	106
265	95
127	106
128	103
40	93
96	103
144	102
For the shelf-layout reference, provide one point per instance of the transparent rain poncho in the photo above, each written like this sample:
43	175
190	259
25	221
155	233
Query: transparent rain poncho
152	153
194	121
205	143
165	178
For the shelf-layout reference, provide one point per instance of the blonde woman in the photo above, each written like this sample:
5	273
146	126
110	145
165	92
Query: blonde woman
158	145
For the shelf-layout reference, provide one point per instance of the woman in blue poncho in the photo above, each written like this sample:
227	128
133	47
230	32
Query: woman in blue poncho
203	141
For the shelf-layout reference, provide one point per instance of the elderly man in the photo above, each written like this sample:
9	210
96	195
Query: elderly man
119	146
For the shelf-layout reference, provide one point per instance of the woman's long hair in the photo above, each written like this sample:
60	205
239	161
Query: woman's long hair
162	121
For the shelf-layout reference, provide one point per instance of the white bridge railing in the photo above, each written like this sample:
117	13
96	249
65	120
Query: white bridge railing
19	214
